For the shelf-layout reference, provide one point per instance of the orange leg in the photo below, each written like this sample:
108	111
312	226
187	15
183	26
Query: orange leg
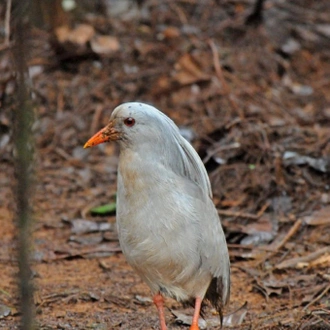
159	302
194	324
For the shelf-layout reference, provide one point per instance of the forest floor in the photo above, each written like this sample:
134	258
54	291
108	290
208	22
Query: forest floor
253	99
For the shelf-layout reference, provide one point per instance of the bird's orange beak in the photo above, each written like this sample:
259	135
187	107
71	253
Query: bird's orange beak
106	134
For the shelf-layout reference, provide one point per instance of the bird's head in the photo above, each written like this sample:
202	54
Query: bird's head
134	123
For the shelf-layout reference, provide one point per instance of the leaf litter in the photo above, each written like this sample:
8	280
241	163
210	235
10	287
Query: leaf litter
257	101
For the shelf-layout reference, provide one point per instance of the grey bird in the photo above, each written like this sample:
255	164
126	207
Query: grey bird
169	229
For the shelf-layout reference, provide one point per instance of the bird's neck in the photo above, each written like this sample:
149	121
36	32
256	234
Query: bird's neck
140	170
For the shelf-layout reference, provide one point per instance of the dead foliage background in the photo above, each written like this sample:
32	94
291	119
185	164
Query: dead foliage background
253	97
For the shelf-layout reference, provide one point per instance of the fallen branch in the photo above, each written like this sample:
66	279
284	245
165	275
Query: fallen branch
239	214
278	246
305	259
323	293
290	233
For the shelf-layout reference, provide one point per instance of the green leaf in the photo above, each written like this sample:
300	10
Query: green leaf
104	209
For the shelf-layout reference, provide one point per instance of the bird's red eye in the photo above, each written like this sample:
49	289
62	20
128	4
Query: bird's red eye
129	121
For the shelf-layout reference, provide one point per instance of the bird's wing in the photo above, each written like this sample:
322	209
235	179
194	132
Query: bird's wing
211	247
215	256
194	166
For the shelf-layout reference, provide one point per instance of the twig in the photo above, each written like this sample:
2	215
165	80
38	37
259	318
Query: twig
240	214
248	247
310	257
291	232
320	312
323	293
62	153
263	209
7	22
220	75
237	214
213	152
5	293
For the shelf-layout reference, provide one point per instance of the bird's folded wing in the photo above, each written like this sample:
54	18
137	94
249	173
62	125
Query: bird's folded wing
193	167
214	251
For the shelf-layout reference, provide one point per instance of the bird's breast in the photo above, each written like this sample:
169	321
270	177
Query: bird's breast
159	219
133	176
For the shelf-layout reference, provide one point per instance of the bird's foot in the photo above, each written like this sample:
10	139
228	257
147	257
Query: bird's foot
194	326
159	302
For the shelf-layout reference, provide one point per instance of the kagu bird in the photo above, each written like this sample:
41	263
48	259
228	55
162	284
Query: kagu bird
168	226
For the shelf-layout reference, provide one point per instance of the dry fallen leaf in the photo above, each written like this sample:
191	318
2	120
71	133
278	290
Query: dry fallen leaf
187	319
323	261
237	317
104	44
171	32
4	311
189	71
79	35
319	217
82	226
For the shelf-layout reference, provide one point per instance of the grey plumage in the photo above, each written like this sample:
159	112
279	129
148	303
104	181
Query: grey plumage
168	226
